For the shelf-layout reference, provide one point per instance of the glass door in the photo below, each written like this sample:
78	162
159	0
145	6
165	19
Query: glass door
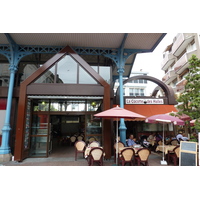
93	128
40	140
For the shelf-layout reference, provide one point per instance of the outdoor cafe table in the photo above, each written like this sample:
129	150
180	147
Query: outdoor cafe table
166	148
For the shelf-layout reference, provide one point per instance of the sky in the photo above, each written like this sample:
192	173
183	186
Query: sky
151	62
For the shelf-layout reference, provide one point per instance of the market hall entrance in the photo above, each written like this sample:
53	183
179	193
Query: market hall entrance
52	123
66	73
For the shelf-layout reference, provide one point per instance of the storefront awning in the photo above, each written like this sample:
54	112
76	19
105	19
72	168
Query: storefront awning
149	110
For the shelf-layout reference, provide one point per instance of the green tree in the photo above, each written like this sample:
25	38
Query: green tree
190	98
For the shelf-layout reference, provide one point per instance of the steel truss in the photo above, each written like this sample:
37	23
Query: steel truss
24	50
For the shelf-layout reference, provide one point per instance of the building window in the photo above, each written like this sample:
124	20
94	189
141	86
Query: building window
139	81
68	71
136	92
141	92
131	92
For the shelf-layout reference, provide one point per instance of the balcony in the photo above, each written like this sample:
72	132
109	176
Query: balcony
181	85
183	63
169	77
168	60
181	42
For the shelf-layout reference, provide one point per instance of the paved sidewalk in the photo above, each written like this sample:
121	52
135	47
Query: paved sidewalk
64	156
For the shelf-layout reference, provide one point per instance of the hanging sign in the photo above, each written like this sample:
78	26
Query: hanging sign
143	101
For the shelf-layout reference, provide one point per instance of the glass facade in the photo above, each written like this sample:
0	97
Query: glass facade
62	105
74	116
68	71
40	140
67	117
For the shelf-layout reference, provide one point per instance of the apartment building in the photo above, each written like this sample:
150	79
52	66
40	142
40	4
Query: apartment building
136	87
175	59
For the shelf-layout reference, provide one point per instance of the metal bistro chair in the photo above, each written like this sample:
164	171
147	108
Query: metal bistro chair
94	144
174	142
173	155
127	156
91	139
143	155
96	155
79	148
72	140
80	138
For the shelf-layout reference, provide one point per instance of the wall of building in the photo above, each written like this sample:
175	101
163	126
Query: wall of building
175	59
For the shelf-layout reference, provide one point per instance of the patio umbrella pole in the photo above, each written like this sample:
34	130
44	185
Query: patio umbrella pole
163	162
117	142
117	113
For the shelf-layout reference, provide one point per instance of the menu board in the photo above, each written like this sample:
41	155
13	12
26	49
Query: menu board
188	154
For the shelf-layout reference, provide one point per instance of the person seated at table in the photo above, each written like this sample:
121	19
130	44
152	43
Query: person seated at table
182	137
167	140
145	143
131	141
158	137
151	137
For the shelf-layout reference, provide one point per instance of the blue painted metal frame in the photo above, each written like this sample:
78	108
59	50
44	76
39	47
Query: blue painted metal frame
14	58
113	53
120	70
14	53
24	50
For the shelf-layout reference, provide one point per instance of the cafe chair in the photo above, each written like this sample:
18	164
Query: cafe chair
127	155
80	138
94	144
142	156
72	140
96	155
120	144
174	142
79	148
173	155
91	139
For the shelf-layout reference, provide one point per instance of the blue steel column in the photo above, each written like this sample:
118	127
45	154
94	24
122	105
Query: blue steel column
13	58
5	148
120	70
122	127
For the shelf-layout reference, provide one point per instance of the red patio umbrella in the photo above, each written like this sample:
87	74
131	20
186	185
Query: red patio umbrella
192	122
172	119
183	117
117	113
164	119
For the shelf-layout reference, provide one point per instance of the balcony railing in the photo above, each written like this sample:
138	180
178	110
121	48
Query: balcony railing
181	42
168	60
181	85
170	75
183	63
